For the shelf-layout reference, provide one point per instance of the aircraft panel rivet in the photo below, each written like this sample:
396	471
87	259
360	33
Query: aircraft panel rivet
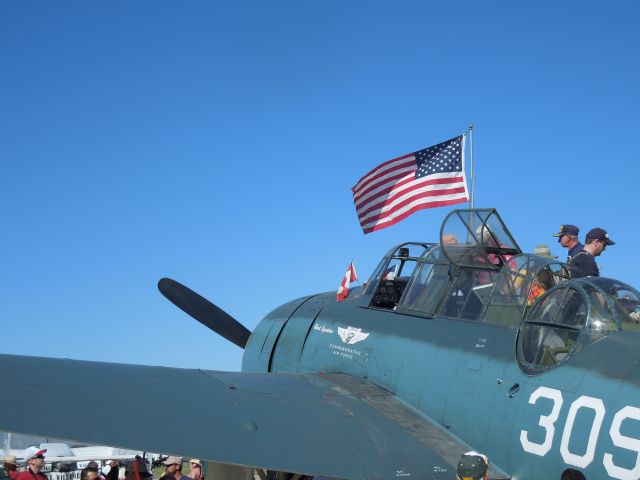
249	425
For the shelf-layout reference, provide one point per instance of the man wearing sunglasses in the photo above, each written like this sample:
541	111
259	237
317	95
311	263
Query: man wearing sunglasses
584	264
568	238
34	460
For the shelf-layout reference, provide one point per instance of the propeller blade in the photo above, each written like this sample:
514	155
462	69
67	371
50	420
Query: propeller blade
204	311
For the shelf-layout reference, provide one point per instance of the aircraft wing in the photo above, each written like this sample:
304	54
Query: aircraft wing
332	425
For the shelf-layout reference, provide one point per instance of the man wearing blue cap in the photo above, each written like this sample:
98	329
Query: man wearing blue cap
568	238
584	264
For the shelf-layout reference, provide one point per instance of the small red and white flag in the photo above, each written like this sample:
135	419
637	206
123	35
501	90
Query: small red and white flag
349	277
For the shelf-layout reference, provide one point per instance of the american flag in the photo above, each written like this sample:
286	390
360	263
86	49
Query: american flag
433	177
391	272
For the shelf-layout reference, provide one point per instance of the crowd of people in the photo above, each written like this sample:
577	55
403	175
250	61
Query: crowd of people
136	469
471	466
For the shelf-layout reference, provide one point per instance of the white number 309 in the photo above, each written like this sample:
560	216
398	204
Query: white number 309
547	422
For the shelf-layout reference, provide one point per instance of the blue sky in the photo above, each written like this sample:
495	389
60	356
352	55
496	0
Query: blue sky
217	142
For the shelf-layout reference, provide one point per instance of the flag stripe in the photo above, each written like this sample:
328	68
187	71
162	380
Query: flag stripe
383	184
386	188
407	185
381	213
441	203
393	163
406	166
400	207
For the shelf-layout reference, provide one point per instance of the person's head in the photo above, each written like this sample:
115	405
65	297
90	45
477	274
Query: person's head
195	463
89	474
137	470
543	250
173	464
10	462
487	236
473	466
571	474
92	465
545	278
34	458
598	239
568	235
449	239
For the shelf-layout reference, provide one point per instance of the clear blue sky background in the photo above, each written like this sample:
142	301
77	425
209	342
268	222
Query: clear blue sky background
217	142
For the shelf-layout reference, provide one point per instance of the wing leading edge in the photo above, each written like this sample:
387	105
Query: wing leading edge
332	425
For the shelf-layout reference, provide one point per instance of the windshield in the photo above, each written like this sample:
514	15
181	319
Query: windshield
573	315
613	301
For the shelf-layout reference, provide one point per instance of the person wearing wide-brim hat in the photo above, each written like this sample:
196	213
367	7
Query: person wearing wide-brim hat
196	469
11	467
543	250
584	264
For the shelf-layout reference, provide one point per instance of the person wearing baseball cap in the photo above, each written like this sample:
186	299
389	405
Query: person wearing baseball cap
34	460
10	467
568	238
473	466
584	264
173	466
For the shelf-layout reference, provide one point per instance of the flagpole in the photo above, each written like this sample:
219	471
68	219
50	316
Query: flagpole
357	279
471	161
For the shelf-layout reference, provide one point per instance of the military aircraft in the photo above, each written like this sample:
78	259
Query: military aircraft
471	345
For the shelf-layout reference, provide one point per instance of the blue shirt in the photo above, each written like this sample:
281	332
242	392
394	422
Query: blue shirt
574	251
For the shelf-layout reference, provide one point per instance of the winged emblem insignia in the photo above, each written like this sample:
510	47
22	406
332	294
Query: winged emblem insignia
351	335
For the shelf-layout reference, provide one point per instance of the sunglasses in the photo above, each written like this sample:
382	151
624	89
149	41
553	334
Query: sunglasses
41	457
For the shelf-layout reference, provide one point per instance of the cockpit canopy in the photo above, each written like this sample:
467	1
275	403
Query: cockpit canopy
477	238
415	277
573	315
